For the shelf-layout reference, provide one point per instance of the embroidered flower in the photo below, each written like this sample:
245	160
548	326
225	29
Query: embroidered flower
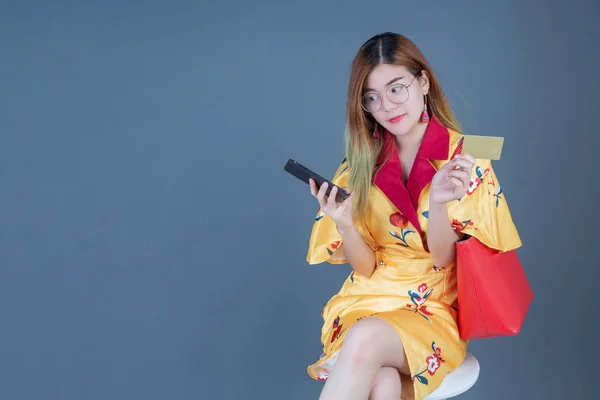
498	196
476	181
419	298
399	220
333	247
433	363
460	226
337	329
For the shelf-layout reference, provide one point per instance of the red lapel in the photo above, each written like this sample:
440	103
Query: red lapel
435	146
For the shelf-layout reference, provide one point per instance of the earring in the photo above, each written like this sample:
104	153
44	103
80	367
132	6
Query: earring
424	115
376	132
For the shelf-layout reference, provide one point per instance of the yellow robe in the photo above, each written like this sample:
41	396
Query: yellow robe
406	289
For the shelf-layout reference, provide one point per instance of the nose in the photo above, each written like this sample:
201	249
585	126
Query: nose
387	104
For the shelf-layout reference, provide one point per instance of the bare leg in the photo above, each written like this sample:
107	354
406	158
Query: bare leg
387	385
408	390
370	344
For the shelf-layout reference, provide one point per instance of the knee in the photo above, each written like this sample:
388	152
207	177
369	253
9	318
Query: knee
387	376
386	385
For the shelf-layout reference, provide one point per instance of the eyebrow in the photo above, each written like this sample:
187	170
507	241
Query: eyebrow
387	84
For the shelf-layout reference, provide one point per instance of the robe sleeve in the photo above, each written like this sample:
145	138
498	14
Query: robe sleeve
484	213
325	243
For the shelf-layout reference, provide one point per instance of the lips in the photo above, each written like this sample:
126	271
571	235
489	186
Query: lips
397	118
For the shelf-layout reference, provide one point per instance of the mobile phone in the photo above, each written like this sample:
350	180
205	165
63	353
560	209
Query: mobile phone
304	174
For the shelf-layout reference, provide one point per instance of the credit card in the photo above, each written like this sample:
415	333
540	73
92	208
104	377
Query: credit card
483	147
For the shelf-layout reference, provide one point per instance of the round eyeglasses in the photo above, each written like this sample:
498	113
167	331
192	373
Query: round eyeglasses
397	93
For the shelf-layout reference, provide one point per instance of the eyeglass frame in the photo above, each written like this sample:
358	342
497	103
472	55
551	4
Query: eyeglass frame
386	95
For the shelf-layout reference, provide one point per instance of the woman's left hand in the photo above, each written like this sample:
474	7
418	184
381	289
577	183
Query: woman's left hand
452	181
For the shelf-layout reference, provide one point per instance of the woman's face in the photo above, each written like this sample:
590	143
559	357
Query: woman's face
397	108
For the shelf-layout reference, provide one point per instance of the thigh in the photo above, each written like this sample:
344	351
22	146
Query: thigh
375	337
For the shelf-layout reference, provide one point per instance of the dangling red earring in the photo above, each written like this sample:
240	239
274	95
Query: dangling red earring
424	115
376	132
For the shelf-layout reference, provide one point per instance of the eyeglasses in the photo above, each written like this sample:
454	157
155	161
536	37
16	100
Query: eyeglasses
398	94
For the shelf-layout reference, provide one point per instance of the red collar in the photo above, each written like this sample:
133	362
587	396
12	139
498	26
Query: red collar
435	146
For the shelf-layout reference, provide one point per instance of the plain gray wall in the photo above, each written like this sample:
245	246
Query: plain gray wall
151	245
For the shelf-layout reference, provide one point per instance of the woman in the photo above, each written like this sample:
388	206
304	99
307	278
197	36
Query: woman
392	328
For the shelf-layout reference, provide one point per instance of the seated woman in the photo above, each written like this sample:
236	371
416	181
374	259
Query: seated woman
391	330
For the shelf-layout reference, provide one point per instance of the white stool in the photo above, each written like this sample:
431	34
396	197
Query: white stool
458	381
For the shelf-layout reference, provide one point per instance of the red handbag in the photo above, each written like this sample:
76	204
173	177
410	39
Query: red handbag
493	292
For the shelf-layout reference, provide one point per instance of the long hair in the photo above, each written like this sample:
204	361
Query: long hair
362	152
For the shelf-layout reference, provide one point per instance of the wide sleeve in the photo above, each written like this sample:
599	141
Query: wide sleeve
484	213
325	242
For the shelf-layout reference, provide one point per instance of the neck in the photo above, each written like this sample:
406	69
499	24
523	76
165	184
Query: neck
412	140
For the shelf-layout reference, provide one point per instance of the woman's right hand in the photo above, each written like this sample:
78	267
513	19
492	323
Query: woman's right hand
340	213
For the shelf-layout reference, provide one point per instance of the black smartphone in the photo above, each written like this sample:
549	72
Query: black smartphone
304	174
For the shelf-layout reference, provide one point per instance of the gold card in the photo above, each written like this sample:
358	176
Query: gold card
483	147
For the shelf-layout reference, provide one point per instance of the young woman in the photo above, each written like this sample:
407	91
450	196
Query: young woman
392	328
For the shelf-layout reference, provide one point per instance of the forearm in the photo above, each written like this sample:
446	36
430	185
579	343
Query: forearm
441	238
358	253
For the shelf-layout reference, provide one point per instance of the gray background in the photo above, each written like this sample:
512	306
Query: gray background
152	247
